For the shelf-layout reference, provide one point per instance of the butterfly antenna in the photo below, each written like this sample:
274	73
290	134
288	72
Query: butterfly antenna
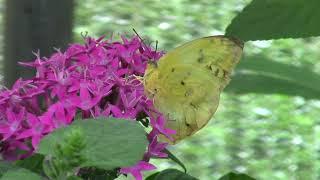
84	35
141	40
154	63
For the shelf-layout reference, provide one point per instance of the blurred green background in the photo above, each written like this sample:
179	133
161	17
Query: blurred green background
266	136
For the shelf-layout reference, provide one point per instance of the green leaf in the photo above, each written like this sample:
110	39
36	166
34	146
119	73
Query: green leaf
6	166
175	159
94	173
260	75
18	174
152	176
273	19
173	174
236	176
32	163
111	142
74	178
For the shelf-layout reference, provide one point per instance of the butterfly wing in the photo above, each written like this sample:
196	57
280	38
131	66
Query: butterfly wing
188	96
213	50
186	83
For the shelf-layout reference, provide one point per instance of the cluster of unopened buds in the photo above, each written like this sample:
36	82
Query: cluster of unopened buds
96	79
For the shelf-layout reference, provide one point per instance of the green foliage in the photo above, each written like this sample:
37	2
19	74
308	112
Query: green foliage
32	163
67	155
110	143
95	173
18	174
236	176
73	178
176	160
257	74
171	174
6	166
273	19
152	176
14	171
170	23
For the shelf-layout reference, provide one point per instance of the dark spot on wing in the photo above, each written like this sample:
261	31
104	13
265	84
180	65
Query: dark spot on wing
193	105
216	73
187	124
200	59
182	83
172	70
209	67
225	73
201	56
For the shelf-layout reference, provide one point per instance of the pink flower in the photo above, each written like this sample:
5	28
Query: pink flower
94	79
158	125
58	115
155	149
36	130
13	123
11	149
87	99
135	170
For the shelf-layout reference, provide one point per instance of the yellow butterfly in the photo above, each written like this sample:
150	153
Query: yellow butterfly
185	84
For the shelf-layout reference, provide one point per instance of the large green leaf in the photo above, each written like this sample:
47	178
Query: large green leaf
111	142
260	75
236	176
6	166
18	174
273	19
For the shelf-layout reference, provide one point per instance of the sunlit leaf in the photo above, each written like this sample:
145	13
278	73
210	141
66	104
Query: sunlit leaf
273	19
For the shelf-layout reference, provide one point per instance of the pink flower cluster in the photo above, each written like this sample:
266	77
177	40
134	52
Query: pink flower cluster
96	79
